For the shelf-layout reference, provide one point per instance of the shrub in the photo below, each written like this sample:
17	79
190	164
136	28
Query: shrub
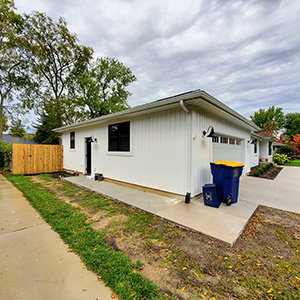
256	173
280	159
287	150
5	154
263	169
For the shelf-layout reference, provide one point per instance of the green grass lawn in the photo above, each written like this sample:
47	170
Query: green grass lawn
293	163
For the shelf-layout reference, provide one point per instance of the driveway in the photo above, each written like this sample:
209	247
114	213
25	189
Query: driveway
282	193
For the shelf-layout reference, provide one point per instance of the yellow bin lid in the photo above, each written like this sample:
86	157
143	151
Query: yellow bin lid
229	163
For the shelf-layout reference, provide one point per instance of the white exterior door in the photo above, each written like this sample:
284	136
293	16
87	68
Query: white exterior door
225	148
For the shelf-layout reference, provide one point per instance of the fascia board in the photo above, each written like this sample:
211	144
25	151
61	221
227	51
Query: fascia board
160	105
147	108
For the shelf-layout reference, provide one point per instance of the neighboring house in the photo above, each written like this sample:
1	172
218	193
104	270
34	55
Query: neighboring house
163	145
263	145
15	140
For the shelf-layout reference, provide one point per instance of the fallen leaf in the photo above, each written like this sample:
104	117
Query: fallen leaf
183	289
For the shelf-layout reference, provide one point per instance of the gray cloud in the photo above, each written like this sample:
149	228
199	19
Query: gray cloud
245	53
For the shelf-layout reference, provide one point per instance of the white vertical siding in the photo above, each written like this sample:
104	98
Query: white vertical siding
157	157
202	146
159	150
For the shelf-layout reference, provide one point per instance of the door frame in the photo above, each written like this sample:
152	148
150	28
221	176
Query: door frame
88	156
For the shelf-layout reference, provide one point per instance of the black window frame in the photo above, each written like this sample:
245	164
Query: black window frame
72	140
119	137
270	148
255	146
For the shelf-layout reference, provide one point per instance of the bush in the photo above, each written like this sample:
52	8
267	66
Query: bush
5	154
287	150
256	173
263	169
280	159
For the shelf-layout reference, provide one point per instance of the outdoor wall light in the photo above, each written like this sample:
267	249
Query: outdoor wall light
92	139
209	133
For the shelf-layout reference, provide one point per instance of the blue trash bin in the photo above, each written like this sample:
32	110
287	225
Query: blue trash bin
210	195
226	174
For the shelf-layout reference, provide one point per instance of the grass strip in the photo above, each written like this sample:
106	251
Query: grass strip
115	268
293	163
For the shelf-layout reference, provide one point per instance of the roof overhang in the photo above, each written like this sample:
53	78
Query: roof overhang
261	136
195	98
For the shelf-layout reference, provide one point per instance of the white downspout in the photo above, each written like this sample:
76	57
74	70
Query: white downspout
189	154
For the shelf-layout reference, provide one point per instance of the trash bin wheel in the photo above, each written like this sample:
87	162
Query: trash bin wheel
228	200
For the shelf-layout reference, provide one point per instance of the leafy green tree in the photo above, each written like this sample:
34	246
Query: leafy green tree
292	124
102	87
17	129
53	54
47	122
14	76
4	122
271	121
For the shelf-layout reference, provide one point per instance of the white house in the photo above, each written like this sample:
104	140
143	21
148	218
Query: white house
263	147
162	145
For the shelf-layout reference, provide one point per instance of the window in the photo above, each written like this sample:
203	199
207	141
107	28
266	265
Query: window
238	142
119	137
224	140
72	140
215	139
270	148
232	141
255	146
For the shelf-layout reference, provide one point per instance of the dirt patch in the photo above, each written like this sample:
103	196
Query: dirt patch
270	174
264	263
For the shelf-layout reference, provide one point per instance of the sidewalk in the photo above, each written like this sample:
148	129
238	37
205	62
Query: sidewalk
34	262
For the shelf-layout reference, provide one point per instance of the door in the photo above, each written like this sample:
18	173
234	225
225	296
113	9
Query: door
88	156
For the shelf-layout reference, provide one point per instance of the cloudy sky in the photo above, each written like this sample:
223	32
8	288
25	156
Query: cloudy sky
244	53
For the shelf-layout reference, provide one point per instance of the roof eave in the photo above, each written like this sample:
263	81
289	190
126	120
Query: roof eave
159	105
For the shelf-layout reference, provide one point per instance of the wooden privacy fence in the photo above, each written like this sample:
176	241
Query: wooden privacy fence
35	159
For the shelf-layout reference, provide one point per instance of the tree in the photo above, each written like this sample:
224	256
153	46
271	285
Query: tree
13	67
101	88
53	54
296	142
271	121
292	124
4	122
44	133
17	129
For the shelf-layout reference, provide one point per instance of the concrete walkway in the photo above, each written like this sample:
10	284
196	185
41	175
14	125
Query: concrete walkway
225	223
34	262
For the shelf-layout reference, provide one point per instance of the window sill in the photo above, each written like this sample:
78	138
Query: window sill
125	154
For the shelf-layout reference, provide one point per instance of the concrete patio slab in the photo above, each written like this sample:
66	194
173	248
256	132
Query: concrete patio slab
225	223
34	262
